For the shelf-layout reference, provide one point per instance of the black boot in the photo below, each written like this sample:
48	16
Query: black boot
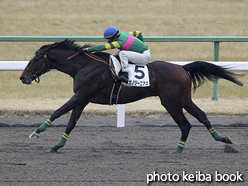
124	77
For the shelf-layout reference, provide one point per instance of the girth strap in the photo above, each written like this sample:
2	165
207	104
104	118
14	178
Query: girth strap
115	92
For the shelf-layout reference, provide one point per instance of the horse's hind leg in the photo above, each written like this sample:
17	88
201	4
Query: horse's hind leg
184	126
183	123
192	109
76	113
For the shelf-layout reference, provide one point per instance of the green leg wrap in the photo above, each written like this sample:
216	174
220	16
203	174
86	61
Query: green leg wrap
180	147
45	125
215	134
62	141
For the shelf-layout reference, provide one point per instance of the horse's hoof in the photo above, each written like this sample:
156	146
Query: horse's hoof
227	140
34	135
177	152
54	149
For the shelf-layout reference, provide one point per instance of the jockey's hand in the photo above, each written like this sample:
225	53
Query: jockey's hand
83	50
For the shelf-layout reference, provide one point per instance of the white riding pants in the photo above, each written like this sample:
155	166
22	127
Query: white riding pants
134	57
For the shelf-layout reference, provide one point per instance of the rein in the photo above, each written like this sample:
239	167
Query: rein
93	56
70	57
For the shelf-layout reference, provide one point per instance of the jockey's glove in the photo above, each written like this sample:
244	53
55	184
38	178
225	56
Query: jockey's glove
82	51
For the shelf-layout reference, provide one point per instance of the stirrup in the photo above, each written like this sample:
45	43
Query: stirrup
124	77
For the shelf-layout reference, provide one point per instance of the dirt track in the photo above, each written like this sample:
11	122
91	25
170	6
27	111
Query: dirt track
116	156
110	156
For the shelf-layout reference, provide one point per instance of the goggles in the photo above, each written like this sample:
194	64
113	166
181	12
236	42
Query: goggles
110	40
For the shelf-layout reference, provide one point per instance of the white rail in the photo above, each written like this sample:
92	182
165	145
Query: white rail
233	66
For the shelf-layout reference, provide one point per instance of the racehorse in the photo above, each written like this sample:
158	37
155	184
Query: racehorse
93	82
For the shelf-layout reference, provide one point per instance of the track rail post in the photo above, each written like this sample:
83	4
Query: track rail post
215	80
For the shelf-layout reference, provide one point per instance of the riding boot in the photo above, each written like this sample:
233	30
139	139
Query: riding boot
124	66
124	61
124	77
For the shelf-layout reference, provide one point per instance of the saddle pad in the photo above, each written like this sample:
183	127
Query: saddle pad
138	76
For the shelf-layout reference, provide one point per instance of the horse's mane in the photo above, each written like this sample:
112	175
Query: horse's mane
67	44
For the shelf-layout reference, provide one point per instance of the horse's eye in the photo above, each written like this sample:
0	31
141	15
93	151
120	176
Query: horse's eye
35	59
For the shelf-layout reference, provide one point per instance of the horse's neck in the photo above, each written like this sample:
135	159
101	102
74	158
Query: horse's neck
73	65
66	64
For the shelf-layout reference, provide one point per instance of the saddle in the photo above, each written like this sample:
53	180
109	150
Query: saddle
114	64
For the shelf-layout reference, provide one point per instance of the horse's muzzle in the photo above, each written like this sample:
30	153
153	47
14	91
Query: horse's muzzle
26	80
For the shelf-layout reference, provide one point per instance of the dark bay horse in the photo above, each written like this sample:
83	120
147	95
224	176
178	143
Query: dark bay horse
93	83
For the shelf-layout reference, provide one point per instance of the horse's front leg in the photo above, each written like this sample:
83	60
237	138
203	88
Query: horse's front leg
69	105
76	113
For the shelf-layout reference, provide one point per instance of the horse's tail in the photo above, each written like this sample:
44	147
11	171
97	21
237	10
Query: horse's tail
201	71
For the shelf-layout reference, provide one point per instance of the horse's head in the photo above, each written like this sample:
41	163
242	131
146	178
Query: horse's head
50	57
37	66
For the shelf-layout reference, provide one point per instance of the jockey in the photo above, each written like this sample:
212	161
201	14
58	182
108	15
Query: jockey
131	48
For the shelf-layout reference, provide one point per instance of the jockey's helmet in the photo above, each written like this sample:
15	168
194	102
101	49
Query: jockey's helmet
110	32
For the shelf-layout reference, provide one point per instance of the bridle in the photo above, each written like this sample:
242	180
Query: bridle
38	73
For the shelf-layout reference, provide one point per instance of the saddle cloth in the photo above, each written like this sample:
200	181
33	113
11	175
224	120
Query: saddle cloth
138	75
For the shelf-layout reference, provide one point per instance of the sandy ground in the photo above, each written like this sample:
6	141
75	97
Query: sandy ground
150	107
110	156
104	155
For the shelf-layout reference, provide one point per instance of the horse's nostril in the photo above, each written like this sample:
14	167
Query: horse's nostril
22	79
25	80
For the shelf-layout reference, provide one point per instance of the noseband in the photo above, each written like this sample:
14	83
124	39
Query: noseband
38	73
